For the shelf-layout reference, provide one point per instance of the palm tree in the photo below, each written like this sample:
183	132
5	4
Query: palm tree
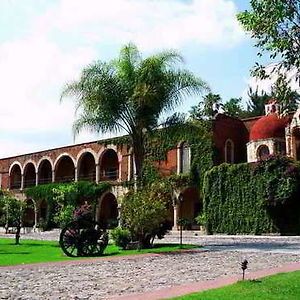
256	103
129	94
206	107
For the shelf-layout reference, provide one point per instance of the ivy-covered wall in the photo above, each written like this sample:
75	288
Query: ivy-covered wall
253	198
197	134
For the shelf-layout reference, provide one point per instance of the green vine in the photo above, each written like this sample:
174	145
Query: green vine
198	136
253	198
66	195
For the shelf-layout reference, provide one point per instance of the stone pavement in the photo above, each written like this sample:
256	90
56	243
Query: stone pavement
152	275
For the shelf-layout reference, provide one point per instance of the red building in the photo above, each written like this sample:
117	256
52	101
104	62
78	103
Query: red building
235	141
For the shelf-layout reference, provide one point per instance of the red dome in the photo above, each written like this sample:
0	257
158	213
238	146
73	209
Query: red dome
270	126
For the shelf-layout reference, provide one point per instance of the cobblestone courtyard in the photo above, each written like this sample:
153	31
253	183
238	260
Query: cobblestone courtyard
105	278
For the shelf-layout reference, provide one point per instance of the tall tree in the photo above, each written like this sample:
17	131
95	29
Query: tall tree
275	24
285	95
129	94
256	102
233	108
206	107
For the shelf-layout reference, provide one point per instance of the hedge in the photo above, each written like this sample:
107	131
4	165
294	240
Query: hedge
253	198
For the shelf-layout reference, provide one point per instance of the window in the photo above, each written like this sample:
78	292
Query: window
263	152
184	158
229	151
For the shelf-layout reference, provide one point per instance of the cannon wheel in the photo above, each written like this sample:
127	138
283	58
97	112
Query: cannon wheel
94	243
69	239
77	241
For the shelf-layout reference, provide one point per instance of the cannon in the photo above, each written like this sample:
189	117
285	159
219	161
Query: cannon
83	237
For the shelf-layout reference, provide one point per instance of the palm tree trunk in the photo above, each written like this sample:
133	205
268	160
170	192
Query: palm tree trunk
139	155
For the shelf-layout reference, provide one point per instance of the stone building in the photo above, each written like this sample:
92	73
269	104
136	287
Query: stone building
235	141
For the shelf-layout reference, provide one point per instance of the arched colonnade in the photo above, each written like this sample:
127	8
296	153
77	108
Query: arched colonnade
87	165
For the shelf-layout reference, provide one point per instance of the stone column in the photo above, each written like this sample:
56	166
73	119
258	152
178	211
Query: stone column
53	176
97	211
76	174
120	168
97	173
293	147
36	213
119	215
36	178
176	216
22	182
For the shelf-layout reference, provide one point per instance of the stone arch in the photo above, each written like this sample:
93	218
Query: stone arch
64	168
29	173
15	176
262	152
109	165
229	151
107	214
86	165
45	168
13	165
190	207
43	159
29	217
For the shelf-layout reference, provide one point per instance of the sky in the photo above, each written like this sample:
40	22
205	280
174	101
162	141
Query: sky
45	43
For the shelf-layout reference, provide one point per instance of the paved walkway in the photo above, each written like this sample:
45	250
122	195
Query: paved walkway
108	278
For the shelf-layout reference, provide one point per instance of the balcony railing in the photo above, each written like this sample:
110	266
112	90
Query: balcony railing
29	183
45	180
105	175
63	179
16	185
110	174
89	177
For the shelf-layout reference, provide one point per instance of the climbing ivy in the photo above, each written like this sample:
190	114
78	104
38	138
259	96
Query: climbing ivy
197	134
61	197
253	198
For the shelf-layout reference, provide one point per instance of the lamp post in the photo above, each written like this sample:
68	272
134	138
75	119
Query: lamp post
180	199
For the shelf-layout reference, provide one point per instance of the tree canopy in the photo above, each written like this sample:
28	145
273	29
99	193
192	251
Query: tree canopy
275	24
130	94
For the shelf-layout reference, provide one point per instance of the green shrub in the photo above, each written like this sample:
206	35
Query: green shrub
121	237
144	212
201	219
64	215
185	223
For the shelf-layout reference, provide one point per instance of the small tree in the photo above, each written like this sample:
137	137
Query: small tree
13	210
144	213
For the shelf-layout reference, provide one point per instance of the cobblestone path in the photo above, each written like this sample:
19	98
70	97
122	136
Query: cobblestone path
108	277
105	278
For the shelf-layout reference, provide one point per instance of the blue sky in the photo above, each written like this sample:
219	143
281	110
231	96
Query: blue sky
45	43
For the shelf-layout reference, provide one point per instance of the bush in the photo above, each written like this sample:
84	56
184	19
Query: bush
121	237
144	212
185	223
64	215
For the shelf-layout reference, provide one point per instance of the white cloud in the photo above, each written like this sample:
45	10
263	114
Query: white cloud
150	24
60	41
265	85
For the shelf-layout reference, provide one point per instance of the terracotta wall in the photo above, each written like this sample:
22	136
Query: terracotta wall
225	127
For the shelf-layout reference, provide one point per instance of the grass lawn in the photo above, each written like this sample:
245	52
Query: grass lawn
284	286
33	251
